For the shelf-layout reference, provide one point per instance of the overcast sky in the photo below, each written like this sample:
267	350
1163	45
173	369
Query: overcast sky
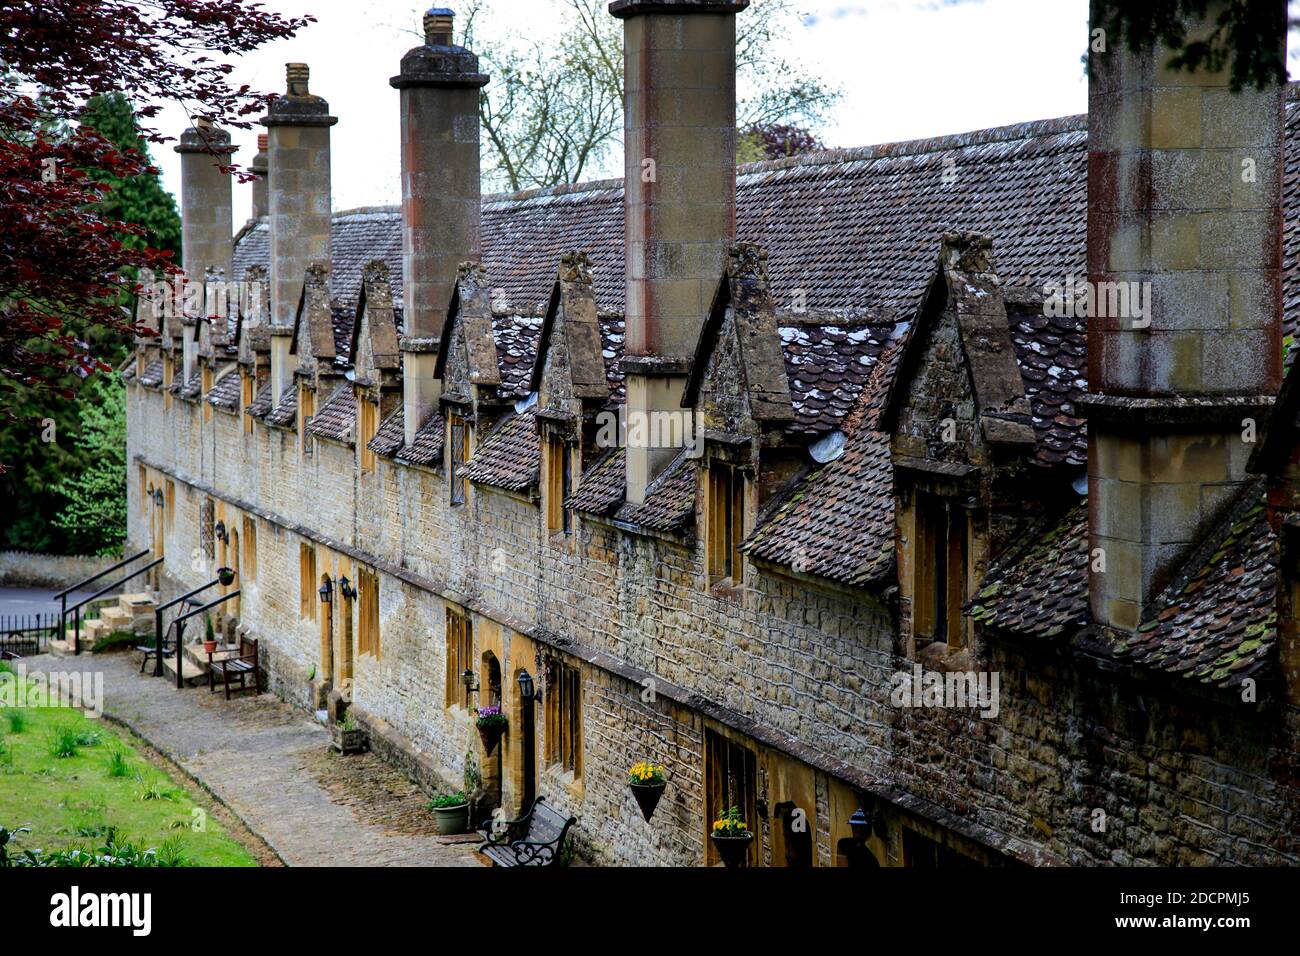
907	68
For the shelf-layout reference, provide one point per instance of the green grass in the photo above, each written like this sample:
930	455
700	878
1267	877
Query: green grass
98	785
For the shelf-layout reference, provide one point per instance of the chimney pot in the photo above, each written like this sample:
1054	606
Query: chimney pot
297	75
438	22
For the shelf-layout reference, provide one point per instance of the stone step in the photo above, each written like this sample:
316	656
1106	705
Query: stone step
60	648
190	671
117	619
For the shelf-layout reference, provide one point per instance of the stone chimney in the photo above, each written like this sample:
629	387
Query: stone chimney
259	169
207	228
679	182
439	87
1184	341
298	146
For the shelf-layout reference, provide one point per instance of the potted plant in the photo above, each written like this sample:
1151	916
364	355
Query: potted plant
225	576
647	781
451	811
732	838
349	738
491	724
209	637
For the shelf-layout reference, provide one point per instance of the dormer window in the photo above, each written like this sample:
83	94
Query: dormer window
367	424
726	524
559	477
939	570
306	411
457	455
204	389
247	385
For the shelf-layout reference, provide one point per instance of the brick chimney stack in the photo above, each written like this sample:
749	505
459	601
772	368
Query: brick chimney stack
298	149
207	228
679	182
1184	218
259	169
439	87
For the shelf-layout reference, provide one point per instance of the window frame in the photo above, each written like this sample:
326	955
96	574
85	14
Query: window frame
563	702
940	558
725	496
457	455
459	658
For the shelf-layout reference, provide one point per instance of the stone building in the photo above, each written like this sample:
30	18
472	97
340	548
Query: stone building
813	481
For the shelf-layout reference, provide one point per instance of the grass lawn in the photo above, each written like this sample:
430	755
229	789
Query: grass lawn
71	779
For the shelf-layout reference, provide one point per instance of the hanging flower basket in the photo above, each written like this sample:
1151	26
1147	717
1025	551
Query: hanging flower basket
647	781
225	576
731	838
491	724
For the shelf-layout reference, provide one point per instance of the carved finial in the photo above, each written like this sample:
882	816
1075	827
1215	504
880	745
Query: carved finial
575	266
318	274
472	274
967	251
374	271
747	260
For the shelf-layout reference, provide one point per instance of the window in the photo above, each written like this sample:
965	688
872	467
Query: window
731	781
460	656
367	612
559	473
458	453
247	384
367	419
207	536
939	561
169	505
169	371
206	387
250	548
726	523
564	716
306	410
307	595
924	853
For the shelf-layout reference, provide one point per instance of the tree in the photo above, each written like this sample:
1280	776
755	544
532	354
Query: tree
1245	34
61	257
554	109
775	141
93	516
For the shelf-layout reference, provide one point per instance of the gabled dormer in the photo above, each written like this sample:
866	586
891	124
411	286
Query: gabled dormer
374	356
311	350
738	396
469	371
572	387
961	437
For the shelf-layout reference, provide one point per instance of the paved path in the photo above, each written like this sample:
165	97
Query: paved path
271	765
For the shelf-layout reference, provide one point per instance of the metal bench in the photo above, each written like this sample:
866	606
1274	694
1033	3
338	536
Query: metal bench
236	668
535	839
150	651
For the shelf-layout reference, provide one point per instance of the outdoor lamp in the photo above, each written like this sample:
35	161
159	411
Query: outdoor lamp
346	588
158	497
467	678
526	687
860	824
222	534
327	591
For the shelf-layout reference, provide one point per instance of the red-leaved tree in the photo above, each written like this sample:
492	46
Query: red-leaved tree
63	266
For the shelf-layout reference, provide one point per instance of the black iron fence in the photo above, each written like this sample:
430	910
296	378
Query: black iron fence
24	635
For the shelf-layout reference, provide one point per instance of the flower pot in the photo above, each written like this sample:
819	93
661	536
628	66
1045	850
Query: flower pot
225	576
734	850
491	736
452	819
349	741
647	797
209	647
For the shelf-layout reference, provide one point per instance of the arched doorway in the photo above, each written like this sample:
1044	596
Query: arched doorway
489	679
343	644
326	633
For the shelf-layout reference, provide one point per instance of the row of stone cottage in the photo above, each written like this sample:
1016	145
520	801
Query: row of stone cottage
889	479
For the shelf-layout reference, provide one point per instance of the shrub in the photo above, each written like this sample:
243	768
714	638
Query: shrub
117	639
118	764
443	801
17	721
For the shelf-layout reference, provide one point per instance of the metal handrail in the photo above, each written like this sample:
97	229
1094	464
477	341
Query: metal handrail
158	632
62	596
179	624
76	641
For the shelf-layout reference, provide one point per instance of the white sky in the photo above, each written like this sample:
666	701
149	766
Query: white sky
907	68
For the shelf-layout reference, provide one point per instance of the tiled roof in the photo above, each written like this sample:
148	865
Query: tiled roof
669	500
285	414
601	487
839	524
190	389
261	403
827	367
225	392
152	375
427	448
1053	358
613	329
516	340
510	457
390	435
1041	590
337	417
1221	624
